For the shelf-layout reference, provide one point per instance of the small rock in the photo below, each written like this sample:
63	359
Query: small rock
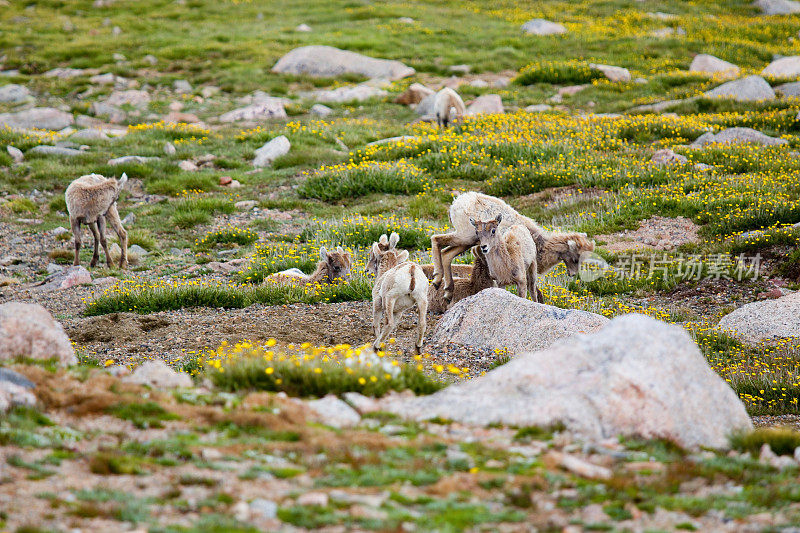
313	498
543	27
209	90
52	268
43	118
665	156
138	250
709	64
54	150
749	89
271	150
486	104
28	330
159	375
210	454
188	166
64	73
170	149
349	93
235	184
334	412
118	57
182	87
538	108
480	84
128	159
415	93
9	376
131	97
265	509
271	109
14	93
303	28
245	205
150	59
88	134
738	136
578	466
320	110
225	180
460	69
362	404
129	219
16	154
616	74
241	511
12	395
328	62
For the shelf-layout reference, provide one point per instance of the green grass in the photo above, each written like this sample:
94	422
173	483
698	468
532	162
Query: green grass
144	415
783	441
363	180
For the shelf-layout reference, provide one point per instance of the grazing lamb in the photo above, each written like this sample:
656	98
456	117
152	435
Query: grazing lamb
90	200
448	107
332	267
551	247
399	284
510	255
462	288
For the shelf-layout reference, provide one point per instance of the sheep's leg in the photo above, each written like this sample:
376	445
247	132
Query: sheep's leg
448	255
101	227
116	223
377	319
96	252
422	311
522	285
536	294
391	319
438	242
76	234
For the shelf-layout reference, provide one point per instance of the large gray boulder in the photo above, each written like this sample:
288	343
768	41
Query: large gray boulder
785	67
29	331
789	90
60	151
637	376
131	97
495	319
768	320
611	72
14	93
777	7
738	136
43	118
543	27
271	150
708	64
749	89
329	62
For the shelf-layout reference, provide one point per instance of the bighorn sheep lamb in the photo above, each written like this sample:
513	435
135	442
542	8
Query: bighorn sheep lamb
90	200
551	247
399	284
448	107
510	255
332	267
459	271
462	288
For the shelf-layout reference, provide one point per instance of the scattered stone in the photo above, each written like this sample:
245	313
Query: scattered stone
264	509
28	330
273	108
543	27
138	250
43	118
616	74
158	375
114	114
538	108
577	466
12	395
54	150
767	320
225	180
235	184
329	62
660	106
636	376
271	150
571	90
245	205
89	134
14	94
749	89
210	454
489	104
480	84
182	87
188	166
209	90
320	110
777	7
708	64
132	159
785	67
116	31
170	149
495	319
400	138
303	28
362	404
334	412
64	73
665	157
313	498
150	60
738	136
415	93
16	154
352	93
460	69
789	90
9	376
52	268
662	33
132	97
118	57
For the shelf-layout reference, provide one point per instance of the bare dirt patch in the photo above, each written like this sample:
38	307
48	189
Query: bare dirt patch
656	233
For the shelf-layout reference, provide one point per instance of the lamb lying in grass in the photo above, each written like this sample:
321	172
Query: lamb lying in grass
90	200
399	285
332	267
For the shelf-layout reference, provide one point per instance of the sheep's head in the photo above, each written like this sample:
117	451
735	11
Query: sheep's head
487	232
573	247
338	262
385	248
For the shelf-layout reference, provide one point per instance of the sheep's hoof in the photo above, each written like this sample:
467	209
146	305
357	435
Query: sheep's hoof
93	263
418	350
448	295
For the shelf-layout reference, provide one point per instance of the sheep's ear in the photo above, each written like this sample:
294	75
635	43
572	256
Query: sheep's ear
402	256
499	217
572	245
394	239
323	253
376	249
123	179
384	239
